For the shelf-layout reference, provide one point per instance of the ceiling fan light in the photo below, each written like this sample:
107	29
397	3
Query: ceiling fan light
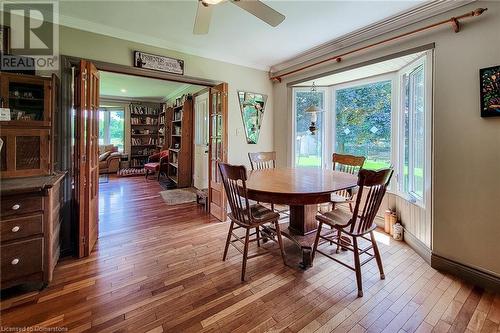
313	109
211	2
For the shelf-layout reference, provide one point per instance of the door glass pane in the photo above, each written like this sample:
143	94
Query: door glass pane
102	114
26	101
406	134
363	123
308	146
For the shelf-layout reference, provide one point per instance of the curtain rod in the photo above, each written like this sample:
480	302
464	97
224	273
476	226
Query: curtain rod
454	21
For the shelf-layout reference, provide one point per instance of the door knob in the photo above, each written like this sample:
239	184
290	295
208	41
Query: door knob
16	207
15	261
16	228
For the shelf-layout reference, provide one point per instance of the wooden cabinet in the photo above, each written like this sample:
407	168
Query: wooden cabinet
181	144
29	229
27	136
25	152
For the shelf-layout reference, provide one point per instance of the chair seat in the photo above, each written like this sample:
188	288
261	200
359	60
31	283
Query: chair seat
336	217
262	213
155	166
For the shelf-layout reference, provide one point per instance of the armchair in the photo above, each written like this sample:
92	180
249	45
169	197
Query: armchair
157	163
109	159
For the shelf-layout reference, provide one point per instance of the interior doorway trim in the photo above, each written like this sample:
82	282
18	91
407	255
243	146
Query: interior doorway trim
130	70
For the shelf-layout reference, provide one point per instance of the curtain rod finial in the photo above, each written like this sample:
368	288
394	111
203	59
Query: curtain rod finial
479	11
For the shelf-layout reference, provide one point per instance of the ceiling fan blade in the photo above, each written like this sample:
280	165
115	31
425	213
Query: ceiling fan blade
261	10
202	20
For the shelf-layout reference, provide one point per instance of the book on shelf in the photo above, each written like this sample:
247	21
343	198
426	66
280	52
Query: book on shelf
143	110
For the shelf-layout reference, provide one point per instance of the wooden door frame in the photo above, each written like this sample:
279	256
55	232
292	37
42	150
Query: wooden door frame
67	100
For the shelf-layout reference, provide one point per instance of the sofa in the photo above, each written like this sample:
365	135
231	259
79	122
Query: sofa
109	159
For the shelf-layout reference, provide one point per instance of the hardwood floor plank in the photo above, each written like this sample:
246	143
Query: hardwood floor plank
159	268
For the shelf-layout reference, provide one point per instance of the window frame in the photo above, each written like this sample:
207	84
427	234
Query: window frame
422	201
107	116
326	111
392	76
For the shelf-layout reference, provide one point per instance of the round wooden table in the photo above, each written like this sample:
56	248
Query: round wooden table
302	189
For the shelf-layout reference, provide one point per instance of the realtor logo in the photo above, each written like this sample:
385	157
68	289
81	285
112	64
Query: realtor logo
34	35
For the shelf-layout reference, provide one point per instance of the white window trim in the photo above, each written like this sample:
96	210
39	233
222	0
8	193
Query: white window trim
326	108
107	117
378	78
425	200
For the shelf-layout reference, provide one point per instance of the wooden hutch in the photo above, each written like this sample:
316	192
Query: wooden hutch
30	189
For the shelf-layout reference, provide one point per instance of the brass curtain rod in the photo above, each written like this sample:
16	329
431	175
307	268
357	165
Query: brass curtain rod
454	21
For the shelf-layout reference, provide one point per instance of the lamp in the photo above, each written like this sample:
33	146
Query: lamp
313	110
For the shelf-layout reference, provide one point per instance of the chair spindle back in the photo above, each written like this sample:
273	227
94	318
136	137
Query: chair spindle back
234	179
262	160
349	164
377	182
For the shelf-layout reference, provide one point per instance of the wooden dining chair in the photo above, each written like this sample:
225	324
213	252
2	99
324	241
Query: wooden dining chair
358	224
349	164
266	160
246	216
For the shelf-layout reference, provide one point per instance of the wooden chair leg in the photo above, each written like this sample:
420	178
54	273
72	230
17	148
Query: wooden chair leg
272	207
339	239
158	177
147	172
316	241
357	266
377	256
245	254
280	241
228	240
257	232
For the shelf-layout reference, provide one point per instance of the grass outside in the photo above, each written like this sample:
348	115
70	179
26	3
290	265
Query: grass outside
315	161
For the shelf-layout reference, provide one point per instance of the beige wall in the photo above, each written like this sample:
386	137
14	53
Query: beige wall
466	147
99	47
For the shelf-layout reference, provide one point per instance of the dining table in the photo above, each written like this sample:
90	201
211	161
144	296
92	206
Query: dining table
302	189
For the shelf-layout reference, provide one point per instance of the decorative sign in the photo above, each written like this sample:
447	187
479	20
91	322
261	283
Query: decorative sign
158	63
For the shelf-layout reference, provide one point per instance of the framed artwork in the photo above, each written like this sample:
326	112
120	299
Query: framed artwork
490	91
252	106
4	39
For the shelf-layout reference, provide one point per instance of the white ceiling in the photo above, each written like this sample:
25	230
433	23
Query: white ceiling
378	68
235	36
141	88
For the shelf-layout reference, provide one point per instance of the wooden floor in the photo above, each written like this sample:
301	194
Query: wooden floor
158	268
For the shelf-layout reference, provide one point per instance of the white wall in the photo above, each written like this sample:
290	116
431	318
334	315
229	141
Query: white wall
466	209
99	47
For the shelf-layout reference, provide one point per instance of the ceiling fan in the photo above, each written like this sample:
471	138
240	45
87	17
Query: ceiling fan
254	7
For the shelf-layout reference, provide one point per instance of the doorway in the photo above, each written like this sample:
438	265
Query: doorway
201	111
86	114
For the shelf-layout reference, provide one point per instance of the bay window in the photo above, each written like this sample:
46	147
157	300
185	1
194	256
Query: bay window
386	118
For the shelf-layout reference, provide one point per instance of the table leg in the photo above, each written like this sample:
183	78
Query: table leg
302	230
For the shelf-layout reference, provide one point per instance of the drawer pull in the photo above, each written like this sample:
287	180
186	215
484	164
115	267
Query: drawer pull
15	261
16	207
16	228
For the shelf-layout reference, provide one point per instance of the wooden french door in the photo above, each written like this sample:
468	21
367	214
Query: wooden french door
87	155
217	149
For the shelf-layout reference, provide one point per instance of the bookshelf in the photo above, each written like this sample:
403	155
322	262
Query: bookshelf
144	137
181	143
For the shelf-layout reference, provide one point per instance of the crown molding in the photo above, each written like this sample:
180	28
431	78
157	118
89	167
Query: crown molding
392	23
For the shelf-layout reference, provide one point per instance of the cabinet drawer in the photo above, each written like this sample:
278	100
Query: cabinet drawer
20	227
22	258
16	205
